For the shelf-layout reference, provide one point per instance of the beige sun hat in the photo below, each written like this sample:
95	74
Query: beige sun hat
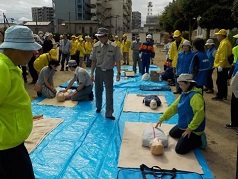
209	42
186	42
185	77
236	36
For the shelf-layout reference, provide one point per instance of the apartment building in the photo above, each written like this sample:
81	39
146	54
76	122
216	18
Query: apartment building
113	14
136	20
42	14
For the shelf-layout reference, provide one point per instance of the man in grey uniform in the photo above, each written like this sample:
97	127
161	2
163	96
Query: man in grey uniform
104	56
136	58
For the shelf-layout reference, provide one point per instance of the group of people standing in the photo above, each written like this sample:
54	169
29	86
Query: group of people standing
199	60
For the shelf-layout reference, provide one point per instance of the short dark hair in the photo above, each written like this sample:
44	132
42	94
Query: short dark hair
54	63
199	44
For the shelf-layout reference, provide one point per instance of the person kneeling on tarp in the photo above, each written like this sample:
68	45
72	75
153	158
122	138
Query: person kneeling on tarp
45	83
84	90
190	107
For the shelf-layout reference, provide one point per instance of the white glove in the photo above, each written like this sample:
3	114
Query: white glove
219	69
140	55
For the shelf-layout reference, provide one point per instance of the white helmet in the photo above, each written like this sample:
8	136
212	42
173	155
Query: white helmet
149	36
145	77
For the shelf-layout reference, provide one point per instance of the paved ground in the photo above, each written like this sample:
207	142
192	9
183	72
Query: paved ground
222	143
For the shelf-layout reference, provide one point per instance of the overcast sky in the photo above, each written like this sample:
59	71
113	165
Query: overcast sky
21	10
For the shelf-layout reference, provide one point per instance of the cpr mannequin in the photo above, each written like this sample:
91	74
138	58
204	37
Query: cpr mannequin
62	96
155	139
153	104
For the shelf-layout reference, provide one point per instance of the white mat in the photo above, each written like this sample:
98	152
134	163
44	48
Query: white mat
54	102
133	154
41	128
134	103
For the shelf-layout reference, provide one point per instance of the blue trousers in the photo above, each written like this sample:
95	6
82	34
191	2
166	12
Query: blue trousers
145	64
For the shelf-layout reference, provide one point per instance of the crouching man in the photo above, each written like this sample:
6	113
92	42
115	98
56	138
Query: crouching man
84	90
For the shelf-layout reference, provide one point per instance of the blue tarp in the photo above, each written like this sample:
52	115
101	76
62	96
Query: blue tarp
86	144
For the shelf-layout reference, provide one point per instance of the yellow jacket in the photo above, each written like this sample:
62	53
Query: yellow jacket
173	52
81	49
222	54
126	45
15	114
235	53
88	47
73	47
118	43
41	62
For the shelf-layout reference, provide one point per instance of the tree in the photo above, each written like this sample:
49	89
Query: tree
183	14
234	11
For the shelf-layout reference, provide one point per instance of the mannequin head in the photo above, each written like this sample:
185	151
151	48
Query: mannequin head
157	147
60	97
153	104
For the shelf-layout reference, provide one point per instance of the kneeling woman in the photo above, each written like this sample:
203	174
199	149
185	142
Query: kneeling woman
45	85
190	107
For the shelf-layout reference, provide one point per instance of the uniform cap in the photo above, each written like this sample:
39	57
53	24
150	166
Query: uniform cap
102	31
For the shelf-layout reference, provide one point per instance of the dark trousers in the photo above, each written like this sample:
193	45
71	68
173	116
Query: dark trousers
77	57
234	111
145	65
16	163
88	61
221	82
65	57
32	70
59	57
106	78
209	84
24	73
185	144
136	59
178	89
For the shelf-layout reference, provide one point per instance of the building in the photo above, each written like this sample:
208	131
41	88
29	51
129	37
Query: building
152	24
112	14
136	20
42	14
72	10
36	26
82	27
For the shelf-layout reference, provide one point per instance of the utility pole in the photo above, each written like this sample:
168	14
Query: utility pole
117	16
5	21
69	24
36	30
